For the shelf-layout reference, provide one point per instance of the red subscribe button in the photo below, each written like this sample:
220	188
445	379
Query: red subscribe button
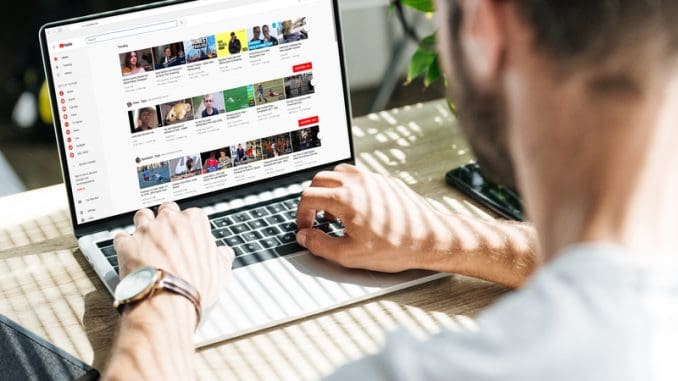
308	121
302	67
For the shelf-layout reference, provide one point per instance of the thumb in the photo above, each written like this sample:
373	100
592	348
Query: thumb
322	245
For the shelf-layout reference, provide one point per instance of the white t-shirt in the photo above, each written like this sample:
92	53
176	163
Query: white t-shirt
591	314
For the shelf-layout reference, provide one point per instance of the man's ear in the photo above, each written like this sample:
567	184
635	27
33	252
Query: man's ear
483	39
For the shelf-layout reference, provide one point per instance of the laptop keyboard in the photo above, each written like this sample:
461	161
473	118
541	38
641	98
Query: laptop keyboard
256	233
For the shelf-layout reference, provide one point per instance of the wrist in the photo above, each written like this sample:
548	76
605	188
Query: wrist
161	311
153	333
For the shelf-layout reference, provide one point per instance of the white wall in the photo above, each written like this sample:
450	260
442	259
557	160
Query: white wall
370	33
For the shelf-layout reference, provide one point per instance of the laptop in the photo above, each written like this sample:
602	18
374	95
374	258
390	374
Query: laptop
227	105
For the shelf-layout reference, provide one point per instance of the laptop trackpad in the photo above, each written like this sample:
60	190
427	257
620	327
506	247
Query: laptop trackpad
326	272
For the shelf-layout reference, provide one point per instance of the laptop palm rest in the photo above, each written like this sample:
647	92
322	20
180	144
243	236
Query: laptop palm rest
273	292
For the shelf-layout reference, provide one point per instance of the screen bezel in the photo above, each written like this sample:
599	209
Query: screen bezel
124	219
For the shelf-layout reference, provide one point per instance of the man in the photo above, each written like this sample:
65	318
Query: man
255	42
268	39
167	59
240	153
209	107
234	44
576	102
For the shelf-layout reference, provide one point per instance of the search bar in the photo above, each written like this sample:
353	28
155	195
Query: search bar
131	32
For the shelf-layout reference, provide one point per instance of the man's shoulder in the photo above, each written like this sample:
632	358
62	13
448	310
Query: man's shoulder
581	317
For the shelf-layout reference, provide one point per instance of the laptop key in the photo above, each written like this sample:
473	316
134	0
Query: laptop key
275	208
237	229
276	219
221	233
251	236
220	243
288	227
108	251
336	234
292	215
258	213
324	227
222	222
287	238
240	262
336	225
269	242
270	231
251	247
265	255
288	249
241	217
238	251
105	243
292	204
257	224
113	261
234	241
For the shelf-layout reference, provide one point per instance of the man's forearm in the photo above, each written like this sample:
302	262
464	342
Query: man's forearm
155	341
499	251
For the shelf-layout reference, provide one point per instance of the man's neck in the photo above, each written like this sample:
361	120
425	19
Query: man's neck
614	179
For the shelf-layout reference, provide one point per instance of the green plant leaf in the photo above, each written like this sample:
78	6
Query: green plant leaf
421	5
428	43
433	73
419	64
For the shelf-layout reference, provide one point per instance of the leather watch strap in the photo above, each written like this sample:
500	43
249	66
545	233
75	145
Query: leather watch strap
177	285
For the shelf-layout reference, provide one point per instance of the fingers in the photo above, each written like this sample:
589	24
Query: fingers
347	168
327	179
126	248
168	207
322	245
122	242
143	217
330	200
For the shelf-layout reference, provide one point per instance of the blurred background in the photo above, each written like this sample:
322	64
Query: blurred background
378	54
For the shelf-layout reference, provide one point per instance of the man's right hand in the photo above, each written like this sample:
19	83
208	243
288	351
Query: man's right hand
390	228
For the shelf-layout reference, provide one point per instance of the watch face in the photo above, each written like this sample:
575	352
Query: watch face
135	283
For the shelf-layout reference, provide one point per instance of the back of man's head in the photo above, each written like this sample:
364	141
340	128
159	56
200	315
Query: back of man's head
571	29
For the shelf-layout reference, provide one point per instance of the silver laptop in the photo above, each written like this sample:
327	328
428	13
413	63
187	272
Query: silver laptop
227	105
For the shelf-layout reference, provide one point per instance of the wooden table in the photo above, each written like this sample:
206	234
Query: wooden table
47	285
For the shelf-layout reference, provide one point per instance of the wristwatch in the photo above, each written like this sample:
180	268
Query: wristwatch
144	282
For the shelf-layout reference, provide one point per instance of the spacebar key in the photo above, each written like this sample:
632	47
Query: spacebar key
288	249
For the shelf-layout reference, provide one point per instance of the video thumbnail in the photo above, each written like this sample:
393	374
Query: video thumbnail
292	30
278	145
231	43
268	92
136	62
176	112
246	153
200	49
169	55
144	119
208	105
185	167
153	174
216	160
305	139
239	98
299	85
262	36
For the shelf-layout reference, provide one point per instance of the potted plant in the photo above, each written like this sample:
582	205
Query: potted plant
424	62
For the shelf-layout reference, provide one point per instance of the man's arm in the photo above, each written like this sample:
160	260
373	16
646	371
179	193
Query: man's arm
155	338
390	228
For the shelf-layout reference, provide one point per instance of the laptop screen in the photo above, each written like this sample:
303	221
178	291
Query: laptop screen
178	101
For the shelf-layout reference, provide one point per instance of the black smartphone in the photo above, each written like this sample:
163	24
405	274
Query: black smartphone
502	200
